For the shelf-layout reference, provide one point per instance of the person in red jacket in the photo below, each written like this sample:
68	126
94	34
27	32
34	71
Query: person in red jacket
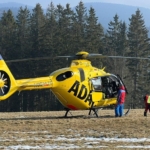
147	104
120	101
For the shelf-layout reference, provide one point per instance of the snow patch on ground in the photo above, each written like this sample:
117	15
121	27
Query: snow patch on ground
88	143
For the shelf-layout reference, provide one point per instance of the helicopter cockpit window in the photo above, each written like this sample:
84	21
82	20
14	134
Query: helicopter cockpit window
64	76
97	83
110	86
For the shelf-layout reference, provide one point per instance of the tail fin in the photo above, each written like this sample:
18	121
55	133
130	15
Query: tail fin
8	84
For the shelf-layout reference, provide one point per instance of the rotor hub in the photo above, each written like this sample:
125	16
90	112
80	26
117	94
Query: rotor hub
82	55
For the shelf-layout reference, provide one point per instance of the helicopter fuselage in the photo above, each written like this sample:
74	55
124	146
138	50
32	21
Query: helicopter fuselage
78	87
74	88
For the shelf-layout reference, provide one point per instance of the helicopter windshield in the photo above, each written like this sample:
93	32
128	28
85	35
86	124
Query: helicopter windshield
97	83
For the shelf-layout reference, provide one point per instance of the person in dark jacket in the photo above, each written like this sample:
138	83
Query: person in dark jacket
120	102
147	104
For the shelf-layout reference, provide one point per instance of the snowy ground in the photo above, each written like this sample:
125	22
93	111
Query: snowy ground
48	130
88	143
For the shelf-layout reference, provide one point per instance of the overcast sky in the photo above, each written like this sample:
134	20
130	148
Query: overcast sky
45	3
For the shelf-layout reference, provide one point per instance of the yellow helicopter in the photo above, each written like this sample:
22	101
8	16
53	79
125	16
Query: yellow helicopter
78	87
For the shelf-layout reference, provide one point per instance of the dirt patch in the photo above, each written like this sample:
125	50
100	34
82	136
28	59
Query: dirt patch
49	130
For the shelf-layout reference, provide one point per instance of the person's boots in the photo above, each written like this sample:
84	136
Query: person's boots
145	114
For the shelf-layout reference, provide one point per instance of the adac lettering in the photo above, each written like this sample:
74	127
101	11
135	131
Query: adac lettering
81	92
89	99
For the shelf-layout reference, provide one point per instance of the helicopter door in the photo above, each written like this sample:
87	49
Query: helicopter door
96	89
111	85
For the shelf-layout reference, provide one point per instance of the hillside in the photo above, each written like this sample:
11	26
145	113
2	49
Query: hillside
106	12
12	5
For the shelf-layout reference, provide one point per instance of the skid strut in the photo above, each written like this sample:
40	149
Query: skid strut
67	110
94	109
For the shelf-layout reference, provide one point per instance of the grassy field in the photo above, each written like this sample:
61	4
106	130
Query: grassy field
49	130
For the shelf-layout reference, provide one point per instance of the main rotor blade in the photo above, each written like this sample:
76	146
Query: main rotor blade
65	56
95	55
29	59
83	56
127	57
105	56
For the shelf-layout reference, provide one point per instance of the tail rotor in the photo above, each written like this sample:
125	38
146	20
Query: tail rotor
4	83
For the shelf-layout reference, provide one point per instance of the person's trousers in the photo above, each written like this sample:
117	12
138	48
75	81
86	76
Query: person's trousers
147	107
119	110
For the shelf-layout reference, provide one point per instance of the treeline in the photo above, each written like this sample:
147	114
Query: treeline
63	31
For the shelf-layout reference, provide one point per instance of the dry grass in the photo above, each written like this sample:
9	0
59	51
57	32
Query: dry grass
46	128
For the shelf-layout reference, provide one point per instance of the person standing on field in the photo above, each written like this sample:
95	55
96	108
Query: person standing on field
147	104
119	109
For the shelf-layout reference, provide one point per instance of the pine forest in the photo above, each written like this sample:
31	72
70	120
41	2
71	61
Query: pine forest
65	31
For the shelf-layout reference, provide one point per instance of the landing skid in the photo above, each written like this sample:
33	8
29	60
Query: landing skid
95	110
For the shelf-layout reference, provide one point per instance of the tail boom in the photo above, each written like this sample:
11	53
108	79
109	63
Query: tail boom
35	83
9	85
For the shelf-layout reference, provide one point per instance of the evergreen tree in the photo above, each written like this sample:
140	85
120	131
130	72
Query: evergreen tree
23	32
94	32
113	37
122	48
52	36
37	27
79	25
65	32
93	36
138	47
60	30
8	35
115	44
50	29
